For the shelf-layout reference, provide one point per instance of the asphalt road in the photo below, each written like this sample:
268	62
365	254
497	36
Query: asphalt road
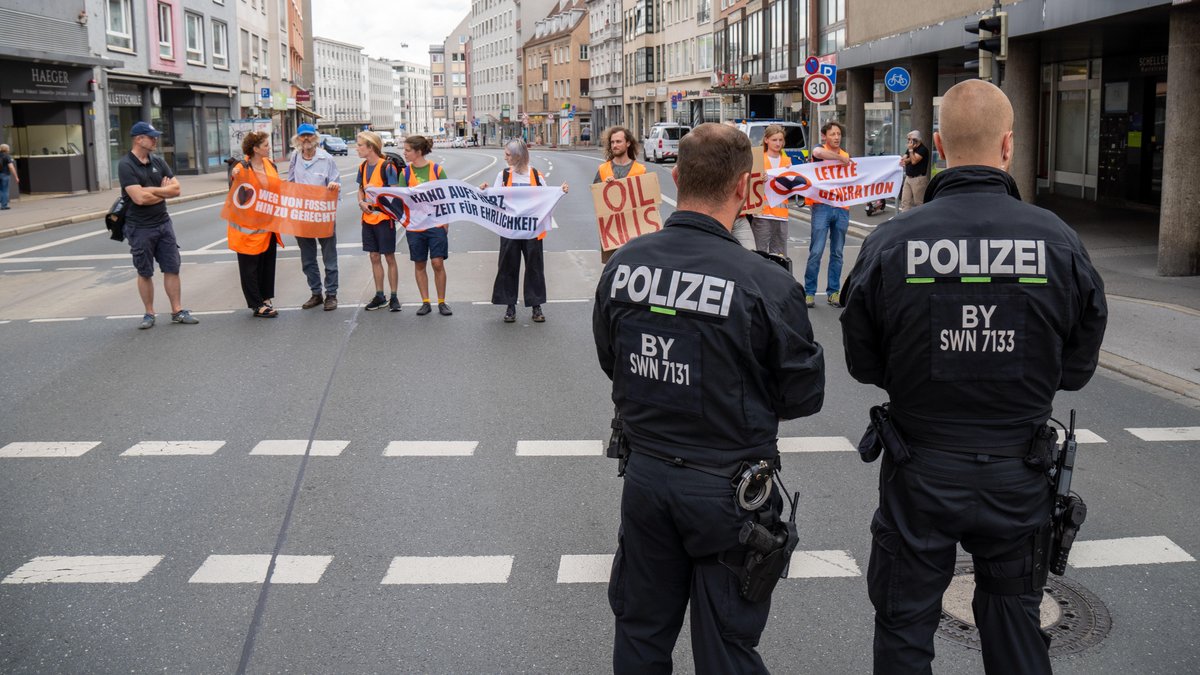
395	558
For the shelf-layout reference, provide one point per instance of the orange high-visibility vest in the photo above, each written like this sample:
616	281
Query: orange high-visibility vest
843	153
410	176
781	211
535	178
606	170
376	179
243	239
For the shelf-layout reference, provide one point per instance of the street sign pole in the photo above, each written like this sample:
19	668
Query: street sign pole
895	122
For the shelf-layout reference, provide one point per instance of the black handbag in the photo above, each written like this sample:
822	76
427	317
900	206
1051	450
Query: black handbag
114	220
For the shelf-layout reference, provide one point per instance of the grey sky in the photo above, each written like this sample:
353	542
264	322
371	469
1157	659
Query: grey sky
381	26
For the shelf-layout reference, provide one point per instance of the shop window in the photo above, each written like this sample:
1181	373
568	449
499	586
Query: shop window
45	140
166	46
120	25
216	122
220	50
194	32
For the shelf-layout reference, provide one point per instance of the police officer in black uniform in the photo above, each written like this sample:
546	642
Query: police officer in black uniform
708	345
971	311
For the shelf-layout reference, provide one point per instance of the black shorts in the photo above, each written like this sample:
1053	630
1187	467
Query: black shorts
148	244
379	238
431	243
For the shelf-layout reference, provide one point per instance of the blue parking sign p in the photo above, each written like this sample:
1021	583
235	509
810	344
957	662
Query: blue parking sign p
829	70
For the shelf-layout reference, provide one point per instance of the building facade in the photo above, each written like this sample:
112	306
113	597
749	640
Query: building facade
498	28
381	94
558	106
439	102
604	64
449	83
340	83
412	99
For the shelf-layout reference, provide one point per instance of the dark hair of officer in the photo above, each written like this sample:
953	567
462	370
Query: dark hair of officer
831	124
975	125
632	148
251	141
713	159
420	144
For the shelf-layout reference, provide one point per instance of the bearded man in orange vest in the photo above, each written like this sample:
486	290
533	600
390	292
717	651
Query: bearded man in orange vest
620	148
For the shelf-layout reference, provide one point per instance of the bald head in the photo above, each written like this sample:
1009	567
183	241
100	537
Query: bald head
975	125
710	173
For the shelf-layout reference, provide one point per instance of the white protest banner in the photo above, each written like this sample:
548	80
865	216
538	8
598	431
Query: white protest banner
511	212
626	208
864	179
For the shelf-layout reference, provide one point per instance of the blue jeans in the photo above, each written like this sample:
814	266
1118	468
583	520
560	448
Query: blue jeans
308	262
833	222
4	177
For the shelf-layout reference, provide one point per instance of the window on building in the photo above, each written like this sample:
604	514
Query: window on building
777	33
120	25
166	41
245	42
193	27
704	52
220	45
583	52
585	88
703	11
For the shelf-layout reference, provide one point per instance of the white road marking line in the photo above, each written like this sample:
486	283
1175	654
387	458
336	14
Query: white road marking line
224	262
1167	433
64	269
252	569
124	316
58	320
47	449
582	250
584	569
5	321
84	569
218	242
815	564
559	448
56	242
430	449
213	312
484	569
1081	436
194	209
481	302
1127	551
566	300
298	446
493	252
163	448
668	200
816	444
122	267
24	270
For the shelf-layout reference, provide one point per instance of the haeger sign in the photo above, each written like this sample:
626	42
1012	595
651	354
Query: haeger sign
44	82
625	209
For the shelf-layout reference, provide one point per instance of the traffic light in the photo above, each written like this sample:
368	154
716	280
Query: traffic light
992	44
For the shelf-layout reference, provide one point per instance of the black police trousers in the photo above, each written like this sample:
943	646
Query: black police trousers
674	520
993	506
508	272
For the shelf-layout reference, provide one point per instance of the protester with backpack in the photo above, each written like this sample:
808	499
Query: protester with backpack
312	165
256	248
508	268
378	231
432	244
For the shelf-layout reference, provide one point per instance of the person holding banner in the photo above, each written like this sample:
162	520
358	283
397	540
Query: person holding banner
378	230
508	266
620	148
312	165
771	226
256	248
432	244
828	221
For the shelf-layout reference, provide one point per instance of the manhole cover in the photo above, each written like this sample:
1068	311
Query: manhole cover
1073	616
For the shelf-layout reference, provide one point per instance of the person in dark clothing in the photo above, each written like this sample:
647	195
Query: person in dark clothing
915	161
971	312
708	346
8	170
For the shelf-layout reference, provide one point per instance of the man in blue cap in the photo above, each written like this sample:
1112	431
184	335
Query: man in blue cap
312	165
147	182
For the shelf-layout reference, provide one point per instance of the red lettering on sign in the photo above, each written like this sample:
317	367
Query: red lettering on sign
620	187
608	238
641	195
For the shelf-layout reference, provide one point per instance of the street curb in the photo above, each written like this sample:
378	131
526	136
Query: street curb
84	217
1144	373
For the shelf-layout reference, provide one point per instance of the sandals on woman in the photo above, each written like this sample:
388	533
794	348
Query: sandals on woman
266	312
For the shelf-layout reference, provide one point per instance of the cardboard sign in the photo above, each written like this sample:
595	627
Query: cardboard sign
625	209
754	198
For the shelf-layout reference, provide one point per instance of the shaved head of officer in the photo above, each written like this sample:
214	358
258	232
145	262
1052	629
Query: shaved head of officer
713	170
975	126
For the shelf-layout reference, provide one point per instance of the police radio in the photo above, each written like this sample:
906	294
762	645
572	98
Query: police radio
1069	511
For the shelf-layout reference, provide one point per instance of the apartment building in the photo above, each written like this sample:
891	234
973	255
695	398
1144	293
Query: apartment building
381	97
557	105
498	28
341	82
412	99
604	63
438	105
271	40
449	83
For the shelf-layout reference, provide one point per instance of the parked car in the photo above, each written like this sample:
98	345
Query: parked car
795	143
663	142
459	142
334	145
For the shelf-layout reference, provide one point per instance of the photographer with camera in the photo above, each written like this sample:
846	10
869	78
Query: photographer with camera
971	312
708	346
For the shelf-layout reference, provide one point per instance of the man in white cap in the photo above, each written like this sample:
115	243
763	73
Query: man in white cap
916	172
312	165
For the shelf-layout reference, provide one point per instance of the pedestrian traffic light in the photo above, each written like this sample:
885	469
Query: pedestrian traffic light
991	45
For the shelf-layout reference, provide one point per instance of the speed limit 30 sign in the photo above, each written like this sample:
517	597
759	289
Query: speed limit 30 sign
818	88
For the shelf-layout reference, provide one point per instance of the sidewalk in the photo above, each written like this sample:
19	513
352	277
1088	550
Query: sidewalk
40	212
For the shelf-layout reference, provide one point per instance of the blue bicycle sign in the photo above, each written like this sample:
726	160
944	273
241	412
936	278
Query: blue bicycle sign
897	80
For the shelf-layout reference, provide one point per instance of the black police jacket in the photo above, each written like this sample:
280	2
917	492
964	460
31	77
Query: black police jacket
971	311
708	345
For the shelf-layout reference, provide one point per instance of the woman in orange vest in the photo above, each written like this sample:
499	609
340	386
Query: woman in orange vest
256	248
431	245
378	231
508	266
771	226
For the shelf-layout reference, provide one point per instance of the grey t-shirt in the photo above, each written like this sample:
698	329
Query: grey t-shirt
618	171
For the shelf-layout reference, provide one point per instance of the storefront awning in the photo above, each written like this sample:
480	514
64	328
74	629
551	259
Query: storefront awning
133	77
307	112
205	89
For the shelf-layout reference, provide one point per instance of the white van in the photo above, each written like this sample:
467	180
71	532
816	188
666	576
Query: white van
387	138
663	142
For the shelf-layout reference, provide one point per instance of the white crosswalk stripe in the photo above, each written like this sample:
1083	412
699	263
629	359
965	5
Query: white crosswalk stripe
584	569
1082	436
252	569
816	564
430	448
816	444
164	448
298	447
483	569
1127	551
1167	433
48	449
560	448
84	569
